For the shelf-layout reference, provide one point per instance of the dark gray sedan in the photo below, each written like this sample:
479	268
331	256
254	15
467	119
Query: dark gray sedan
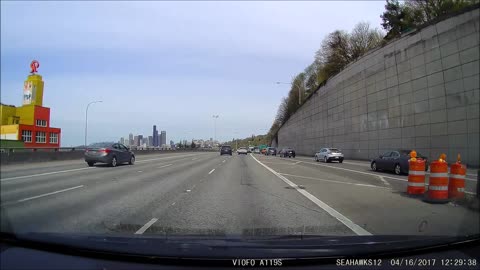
112	154
396	161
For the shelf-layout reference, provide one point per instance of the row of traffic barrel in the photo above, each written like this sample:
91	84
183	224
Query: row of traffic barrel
443	186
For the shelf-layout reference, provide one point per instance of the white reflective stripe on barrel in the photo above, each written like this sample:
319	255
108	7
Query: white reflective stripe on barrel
438	175
457	176
438	187
416	172
413	184
460	189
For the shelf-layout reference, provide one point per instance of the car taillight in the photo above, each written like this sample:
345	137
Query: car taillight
104	150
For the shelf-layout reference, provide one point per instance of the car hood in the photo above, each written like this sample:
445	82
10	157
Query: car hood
236	246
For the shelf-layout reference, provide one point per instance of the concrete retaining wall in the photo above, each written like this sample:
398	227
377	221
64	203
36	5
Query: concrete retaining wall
19	157
419	92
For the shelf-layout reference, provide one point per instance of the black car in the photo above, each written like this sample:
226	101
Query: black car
226	149
396	161
112	154
271	151
287	152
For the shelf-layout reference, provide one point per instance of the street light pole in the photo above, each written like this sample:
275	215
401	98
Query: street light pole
299	90
215	117
86	119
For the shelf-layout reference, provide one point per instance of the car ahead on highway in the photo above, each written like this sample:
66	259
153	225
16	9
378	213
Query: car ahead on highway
396	161
271	151
112	154
226	150
242	150
329	154
287	152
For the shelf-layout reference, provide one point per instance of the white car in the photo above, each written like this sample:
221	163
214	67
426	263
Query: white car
329	154
242	150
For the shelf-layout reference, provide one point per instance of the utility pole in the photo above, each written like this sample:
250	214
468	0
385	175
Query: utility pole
215	117
299	90
86	119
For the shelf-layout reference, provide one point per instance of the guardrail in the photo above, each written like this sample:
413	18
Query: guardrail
12	155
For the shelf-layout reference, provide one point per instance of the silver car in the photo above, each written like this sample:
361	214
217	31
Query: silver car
112	154
329	154
242	150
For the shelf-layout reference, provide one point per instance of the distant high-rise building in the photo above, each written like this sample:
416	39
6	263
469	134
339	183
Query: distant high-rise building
140	140
122	140
155	136
163	138
172	143
135	141
150	140
130	139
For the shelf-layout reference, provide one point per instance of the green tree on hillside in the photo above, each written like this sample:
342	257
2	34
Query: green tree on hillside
402	17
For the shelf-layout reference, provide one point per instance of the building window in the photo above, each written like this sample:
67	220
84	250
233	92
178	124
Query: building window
41	123
40	137
27	135
54	138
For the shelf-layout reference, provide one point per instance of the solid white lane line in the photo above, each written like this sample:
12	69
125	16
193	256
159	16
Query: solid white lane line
165	166
296	162
223	161
211	171
384	181
355	171
355	163
48	194
382	177
278	163
427	173
334	181
334	213
42	174
79	169
146	226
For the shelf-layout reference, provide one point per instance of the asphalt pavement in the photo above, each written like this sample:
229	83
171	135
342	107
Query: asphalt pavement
205	193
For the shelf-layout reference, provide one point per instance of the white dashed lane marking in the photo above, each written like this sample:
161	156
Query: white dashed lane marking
146	226
44	195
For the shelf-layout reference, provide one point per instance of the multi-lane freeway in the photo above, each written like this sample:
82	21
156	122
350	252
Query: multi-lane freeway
205	193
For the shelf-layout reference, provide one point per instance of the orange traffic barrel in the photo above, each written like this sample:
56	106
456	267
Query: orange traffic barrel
416	177
456	185
438	182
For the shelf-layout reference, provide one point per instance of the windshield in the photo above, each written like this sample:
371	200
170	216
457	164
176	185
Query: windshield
154	118
100	145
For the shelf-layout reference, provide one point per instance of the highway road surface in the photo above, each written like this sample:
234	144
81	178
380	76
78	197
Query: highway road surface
205	193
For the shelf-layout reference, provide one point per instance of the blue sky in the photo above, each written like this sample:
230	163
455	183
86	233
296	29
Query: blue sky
172	64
